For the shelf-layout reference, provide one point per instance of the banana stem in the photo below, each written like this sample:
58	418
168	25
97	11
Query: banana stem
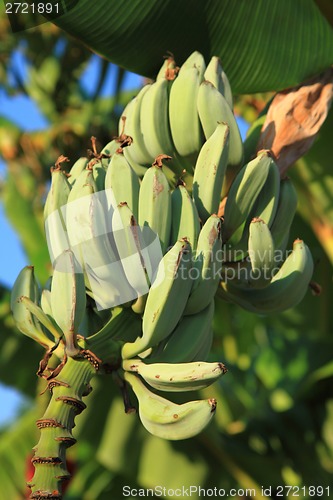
56	426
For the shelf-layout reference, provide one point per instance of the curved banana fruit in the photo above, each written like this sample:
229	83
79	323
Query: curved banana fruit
286	290
168	420
209	172
166	299
188	339
55	212
185	221
244	192
26	286
130	125
176	377
88	233
206	272
124	182
76	169
214	74
68	298
127	237
213	108
261	253
286	209
155	204
184	121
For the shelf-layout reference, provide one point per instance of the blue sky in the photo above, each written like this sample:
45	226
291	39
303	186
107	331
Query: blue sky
25	113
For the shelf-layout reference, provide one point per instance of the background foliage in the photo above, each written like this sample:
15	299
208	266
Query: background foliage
275	406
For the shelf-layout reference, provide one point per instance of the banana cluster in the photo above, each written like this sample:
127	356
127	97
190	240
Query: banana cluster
139	252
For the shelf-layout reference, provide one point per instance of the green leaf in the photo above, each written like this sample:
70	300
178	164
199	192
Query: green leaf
263	45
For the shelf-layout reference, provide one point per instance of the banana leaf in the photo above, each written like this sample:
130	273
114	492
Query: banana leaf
252	37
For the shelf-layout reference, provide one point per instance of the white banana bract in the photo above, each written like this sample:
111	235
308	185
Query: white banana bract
168	420
176	377
209	172
166	299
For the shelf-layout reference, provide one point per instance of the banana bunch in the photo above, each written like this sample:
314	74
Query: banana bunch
177	114
258	271
139	248
136	262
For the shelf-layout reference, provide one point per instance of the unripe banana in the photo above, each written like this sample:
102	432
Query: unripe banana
55	212
124	182
286	289
155	204
111	148
26	286
168	420
130	124
184	121
188	338
128	241
244	192
88	232
213	108
68	298
214	74
76	169
185	221
261	253
166	299
285	213
206	272
176	377
124	325
209	172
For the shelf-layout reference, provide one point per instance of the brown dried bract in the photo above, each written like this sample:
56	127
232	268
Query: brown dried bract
159	159
294	119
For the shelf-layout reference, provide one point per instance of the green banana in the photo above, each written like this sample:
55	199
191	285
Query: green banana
286	289
213	108
154	119
206	271
55	212
188	338
244	192
184	121
168	70
130	125
111	148
128	240
262	204
125	185
285	213
214	74
88	232
209	172
169	420
261	253
26	286
166	299
68	298
176	377
124	325
155	204
76	169
185	221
